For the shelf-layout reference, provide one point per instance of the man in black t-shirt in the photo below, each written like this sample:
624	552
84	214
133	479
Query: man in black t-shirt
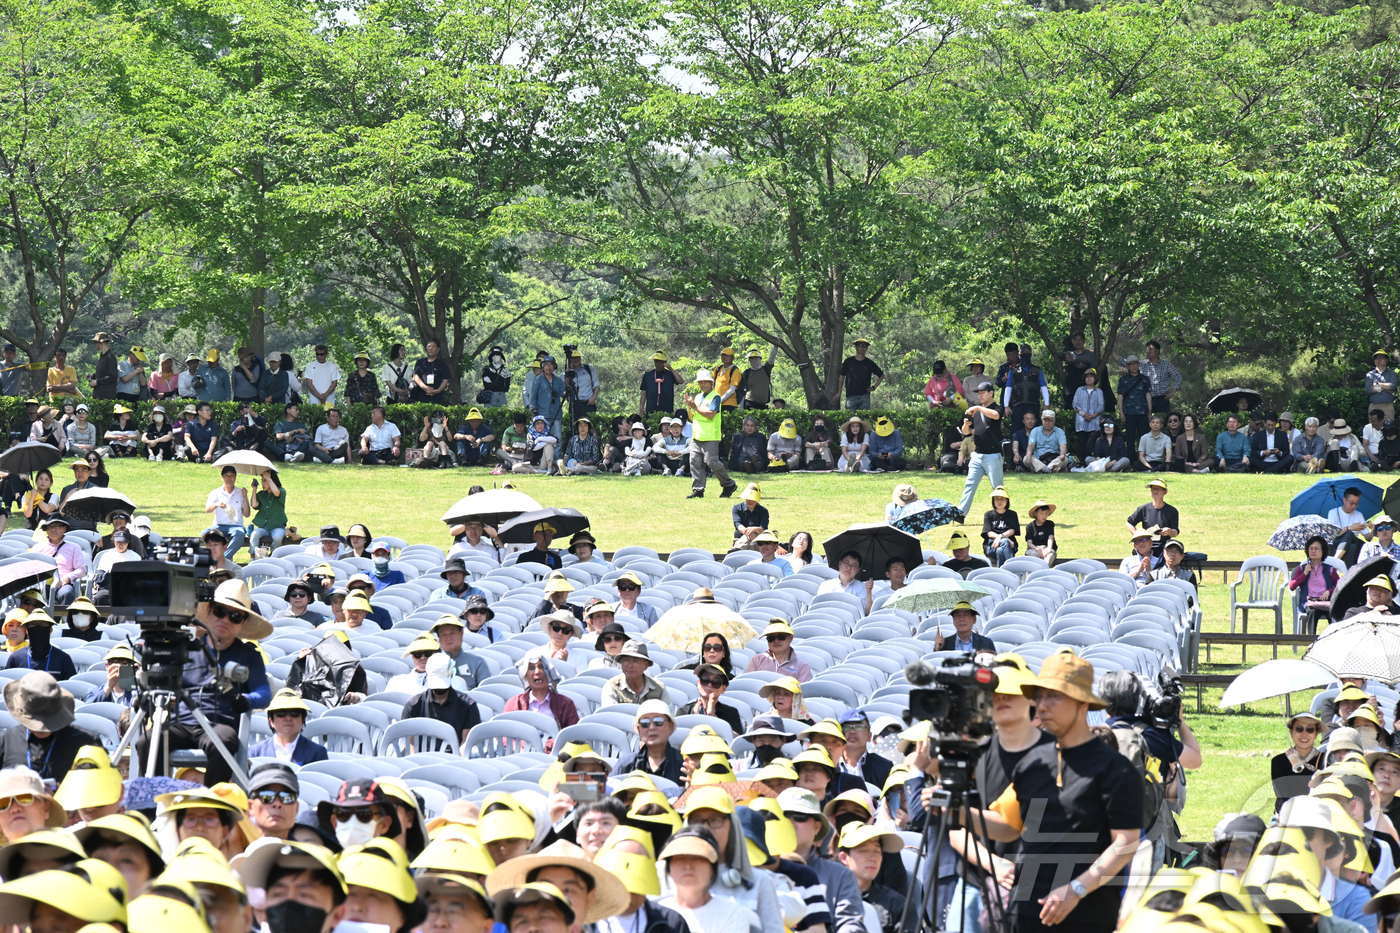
861	375
1075	806
1157	515
962	561
658	386
983	423
443	700
431	376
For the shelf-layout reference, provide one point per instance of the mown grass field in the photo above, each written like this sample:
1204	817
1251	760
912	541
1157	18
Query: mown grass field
1228	517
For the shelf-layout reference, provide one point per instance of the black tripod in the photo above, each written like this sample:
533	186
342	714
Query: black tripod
159	707
921	913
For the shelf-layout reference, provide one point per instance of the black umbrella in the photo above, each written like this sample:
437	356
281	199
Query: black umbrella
22	575
94	504
1351	589
876	545
1390	502
1229	399
28	457
521	529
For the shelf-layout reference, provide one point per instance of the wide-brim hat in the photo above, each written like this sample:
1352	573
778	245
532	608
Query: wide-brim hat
1340	428
91	782
704	375
557	583
21	780
611	628
752	492
288	700
767	726
903	494
789	685
884	427
90	890
563	617
803	801
130	826
233	594
478	602
1001	493
778	627
858	834
38	703
1049	507
607	897
634	648
628	576
1067	673
855	419
765	537
583	537
455	565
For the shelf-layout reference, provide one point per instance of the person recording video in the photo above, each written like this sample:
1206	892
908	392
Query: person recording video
231	627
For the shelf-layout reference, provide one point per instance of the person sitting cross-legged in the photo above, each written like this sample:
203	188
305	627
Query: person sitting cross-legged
286	715
1232	447
886	447
1048	448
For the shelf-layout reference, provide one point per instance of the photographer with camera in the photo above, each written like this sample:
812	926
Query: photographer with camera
221	692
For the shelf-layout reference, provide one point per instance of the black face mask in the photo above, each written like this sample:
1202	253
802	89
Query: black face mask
39	640
764	754
295	917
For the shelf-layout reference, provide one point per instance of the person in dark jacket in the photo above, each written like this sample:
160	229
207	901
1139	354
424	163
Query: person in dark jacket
443	699
40	655
748	450
44	738
286	715
713	681
104	377
963	638
856	757
655	753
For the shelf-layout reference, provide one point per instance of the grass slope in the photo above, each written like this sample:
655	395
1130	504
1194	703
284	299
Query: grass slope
1229	517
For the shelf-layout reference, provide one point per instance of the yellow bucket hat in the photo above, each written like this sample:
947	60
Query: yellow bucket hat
91	781
788	429
884	427
380	865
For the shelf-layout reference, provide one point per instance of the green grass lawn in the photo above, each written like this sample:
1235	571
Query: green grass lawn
1228	517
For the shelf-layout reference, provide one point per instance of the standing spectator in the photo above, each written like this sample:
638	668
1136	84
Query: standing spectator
748	450
104	377
976	374
270	504
322	377
546	397
1232	447
1000	528
943	389
1026	389
432	377
982	423
278	384
332	441
249	429
229	505
1310	449
1134	401
785	447
1088	410
473	439
1079	362
1380	385
291	441
380	441
886	447
1343	449
1165	378
531	374
1190	452
1049	449
82	433
11	372
1269	448
1154	450
361	388
131	375
704	441
184	383
159	436
855	441
61	379
817	445
658	386
727	379
396	376
165	382
1158	515
581	385
756	382
860	376
212	382
247	377
495	378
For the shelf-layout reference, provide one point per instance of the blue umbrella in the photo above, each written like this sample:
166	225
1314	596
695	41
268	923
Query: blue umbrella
141	792
918	517
1326	494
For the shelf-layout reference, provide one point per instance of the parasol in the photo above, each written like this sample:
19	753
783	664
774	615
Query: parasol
28	457
23	574
490	507
246	462
1351	588
1275	678
683	628
1326	494
94	504
876	544
925	514
1228	400
521	529
1293	533
936	594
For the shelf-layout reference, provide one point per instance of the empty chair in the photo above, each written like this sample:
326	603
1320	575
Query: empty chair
418	734
607	740
1264	579
458	781
501	737
341	734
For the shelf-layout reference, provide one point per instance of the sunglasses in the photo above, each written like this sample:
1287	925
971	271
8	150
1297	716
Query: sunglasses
652	722
476	612
363	814
627	587
236	616
561	629
777	637
713	681
423	654
714	648
1306	730
284	797
800	817
22	800
608	638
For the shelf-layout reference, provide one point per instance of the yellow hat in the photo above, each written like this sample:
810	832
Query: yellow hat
120	652
474	414
884	427
1367	713
91	781
504	824
706	798
425	642
450	883
752	493
654	800
827	727
286	700
636	872
957	540
779	769
356	601
500	800
788	429
120	409
781	684
659	355
899	776
778	627
728	350
168	904
813	755
1001	493
132	826
627	576
702	740
59	844
625	833
556	583
858	834
1383	581
455	855
635	782
195	798
139	352
90	890
197	861
857	797
1011	676
1285	897
1386	899
212	355
1352	692
380	865
779	835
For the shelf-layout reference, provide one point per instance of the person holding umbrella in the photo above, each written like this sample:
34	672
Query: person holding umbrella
1380	597
543	534
708	430
1315	580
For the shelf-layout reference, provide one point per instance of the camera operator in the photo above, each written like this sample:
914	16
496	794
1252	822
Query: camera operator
1075	806
581	381
1130	711
230	619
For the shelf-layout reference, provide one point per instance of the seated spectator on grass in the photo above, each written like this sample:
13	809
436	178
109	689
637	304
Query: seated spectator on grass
766	543
748	516
442	699
331	443
1140	564
248	431
1088	412
47	429
963	561
541	443
286	716
81	434
748	450
1232	447
159	436
1191	452
123	438
816	446
1343	448
583	454
785	447
202	436
1040	533
855	445
540	679
634	455
1021	444
1172	567
886	447
436	441
514	452
473	439
1001	526
670	449
1154	450
1309	449
944	389
1269	449
380	442
1371	435
1048	447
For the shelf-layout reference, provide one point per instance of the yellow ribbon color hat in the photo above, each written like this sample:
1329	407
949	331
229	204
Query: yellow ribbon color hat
196	861
702	741
884	427
624	833
455	855
168	904
130	826
788	429
425	642
288	700
504	824
707	798
356	601
91	782
828	727
857	834
449	884
779	835
779	769
90	890
714	769
636	872
662	813
784	684
58	845
380	865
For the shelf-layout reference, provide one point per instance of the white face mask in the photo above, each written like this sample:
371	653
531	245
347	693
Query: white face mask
354	832
80	620
381	564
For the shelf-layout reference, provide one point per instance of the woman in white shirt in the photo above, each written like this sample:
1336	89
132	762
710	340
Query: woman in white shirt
396	375
690	863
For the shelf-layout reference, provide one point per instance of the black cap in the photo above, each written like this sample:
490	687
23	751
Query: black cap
214	534
479	602
985	387
274	774
331	531
612	628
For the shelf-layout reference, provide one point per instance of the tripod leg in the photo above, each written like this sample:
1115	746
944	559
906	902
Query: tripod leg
224	753
159	739
138	716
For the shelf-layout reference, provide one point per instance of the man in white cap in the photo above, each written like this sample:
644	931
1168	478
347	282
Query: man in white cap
442	699
655	753
706	432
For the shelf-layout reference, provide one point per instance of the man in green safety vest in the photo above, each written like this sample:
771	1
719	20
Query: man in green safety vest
706	430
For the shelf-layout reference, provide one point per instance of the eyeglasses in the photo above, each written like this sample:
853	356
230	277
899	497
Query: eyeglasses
445	908
22	800
236	616
713	681
561	629
713	824
652	723
800	817
608	638
1306	730
363	814
421	655
284	797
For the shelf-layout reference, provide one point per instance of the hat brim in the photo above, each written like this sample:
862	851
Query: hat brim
608	897
63	716
255	627
1060	685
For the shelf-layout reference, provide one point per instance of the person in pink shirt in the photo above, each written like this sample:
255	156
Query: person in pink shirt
942	386
72	560
780	656
539	695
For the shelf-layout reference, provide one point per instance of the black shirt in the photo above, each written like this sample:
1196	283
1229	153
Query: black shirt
1039	534
994	522
440	374
459	710
962	566
722	711
670	768
51	757
659	387
1288	783
1147	515
745	517
550	559
1070	799
986	434
859	374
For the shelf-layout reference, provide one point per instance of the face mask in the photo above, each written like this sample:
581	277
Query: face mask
157	418
381	565
80	620
294	917
354	832
764	754
39	639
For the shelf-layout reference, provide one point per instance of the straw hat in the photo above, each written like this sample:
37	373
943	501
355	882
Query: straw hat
563	617
903	494
38	703
1049	507
1067	673
607	895
233	594
557	583
20	780
855	419
1339	427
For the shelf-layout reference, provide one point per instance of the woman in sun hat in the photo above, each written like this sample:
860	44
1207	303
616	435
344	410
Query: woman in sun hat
855	442
1040	533
903	495
1292	769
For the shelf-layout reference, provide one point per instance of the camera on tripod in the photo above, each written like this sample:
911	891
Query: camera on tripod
1161	700
955	696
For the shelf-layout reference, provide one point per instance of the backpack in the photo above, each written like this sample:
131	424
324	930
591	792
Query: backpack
1131	745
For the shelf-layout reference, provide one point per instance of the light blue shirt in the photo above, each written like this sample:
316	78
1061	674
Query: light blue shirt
1048	444
1233	447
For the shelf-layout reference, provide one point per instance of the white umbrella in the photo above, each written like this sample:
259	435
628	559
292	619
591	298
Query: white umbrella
1275	678
247	462
1366	645
935	594
492	507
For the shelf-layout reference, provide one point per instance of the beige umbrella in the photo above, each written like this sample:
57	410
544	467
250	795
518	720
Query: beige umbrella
684	627
247	462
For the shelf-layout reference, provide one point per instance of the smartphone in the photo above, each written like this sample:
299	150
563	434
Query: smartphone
580	788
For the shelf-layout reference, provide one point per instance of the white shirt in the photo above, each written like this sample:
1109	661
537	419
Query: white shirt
321	376
1372	436
184	385
834	585
331	438
1343	519
228	505
484	546
111	556
720	914
381	437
